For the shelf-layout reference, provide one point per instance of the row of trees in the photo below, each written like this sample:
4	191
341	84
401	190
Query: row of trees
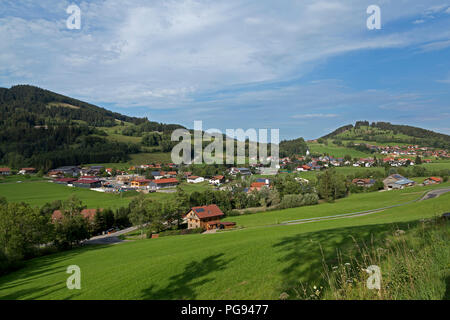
27	231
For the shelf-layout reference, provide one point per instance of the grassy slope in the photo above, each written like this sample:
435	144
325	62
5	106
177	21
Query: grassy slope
257	263
354	203
336	151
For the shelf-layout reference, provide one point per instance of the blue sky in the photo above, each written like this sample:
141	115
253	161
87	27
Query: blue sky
304	67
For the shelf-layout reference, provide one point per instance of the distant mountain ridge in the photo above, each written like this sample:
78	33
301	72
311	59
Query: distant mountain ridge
44	129
387	132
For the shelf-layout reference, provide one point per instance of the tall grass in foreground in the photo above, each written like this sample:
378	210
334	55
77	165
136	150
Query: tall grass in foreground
414	263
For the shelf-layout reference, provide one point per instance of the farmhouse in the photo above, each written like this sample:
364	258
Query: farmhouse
432	180
163	183
27	171
5	171
217	180
64	181
242	171
171	174
69	170
257	186
205	217
195	179
157	174
304	168
140	183
363	182
396	181
87	183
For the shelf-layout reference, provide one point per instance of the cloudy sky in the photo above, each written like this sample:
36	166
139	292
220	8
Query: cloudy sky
303	66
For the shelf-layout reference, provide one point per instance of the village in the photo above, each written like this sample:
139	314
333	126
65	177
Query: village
165	177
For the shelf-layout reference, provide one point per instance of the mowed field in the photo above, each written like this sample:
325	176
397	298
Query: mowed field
253	263
354	203
337	151
38	193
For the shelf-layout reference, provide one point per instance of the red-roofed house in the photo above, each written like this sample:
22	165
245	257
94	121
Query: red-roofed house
86	213
206	217
27	170
5	171
163	183
304	168
257	186
217	180
432	180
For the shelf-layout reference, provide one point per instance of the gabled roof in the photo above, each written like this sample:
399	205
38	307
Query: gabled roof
257	184
209	211
65	180
87	181
404	181
163	181
5	169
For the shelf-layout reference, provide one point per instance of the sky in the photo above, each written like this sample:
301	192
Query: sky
305	67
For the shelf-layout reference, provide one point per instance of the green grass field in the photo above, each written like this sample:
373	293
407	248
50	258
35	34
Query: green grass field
37	193
336	151
253	263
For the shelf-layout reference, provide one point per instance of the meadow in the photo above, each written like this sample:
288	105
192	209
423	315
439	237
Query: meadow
253	263
39	192
336	151
351	204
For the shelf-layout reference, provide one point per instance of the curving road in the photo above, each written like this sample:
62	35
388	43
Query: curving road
429	195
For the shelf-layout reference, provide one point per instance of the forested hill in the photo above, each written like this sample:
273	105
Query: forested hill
387	132
44	129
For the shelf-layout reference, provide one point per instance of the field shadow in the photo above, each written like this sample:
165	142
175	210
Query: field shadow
183	285
37	268
447	289
304	255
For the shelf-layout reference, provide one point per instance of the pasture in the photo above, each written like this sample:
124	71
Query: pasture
255	263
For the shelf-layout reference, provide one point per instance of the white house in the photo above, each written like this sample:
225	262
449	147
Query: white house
217	180
195	179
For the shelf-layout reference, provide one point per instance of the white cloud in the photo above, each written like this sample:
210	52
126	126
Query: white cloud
202	57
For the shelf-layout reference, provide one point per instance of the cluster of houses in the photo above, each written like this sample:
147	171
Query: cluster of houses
89	177
395	181
203	217
7	171
411	150
327	161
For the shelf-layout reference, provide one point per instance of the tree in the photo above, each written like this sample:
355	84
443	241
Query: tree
70	230
139	215
331	185
418	160
22	228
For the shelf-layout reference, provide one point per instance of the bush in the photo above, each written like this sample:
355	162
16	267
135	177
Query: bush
178	232
233	213
291	201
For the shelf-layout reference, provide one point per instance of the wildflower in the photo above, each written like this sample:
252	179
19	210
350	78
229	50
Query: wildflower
284	296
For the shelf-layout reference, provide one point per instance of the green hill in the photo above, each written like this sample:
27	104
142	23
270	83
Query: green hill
44	129
385	133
